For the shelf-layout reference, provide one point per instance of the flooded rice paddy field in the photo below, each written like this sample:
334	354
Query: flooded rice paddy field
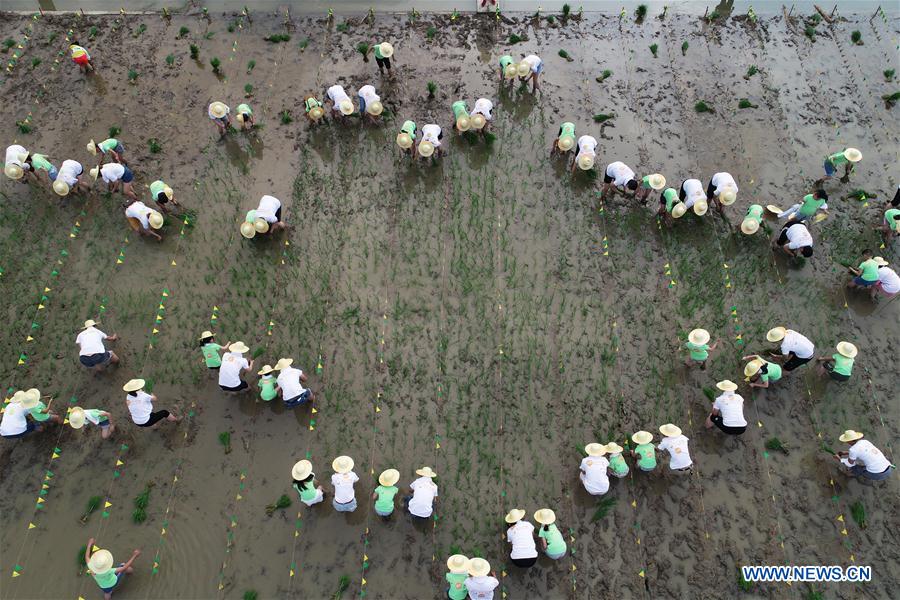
486	315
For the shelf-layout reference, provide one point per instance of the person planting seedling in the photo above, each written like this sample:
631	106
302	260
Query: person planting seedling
383	53
144	220
508	70
531	68
753	219
210	350
233	364
847	157
795	349
244	116
290	384
805	210
760	372
140	405
265	219
430	145
81	58
699	348
341	105
91	351
839	366
116	175
219	113
370	103
480	117
866	274
104	570
406	138
461	116
795	240
619	177
108	148
722	191
692	196
670	207
565	139
890	224
313	109
163	195
586	155
79	416
862	458
305	483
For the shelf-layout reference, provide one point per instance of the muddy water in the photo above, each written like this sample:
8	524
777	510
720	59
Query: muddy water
486	315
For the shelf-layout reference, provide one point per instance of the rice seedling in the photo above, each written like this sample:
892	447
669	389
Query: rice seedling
225	440
195	51
603	508
132	76
714	15
709	393
565	55
551	19
183	31
285	117
258	352
343	584
140	30
343	27
209	35
52	37
143	499
8	43
250	595
751	71
303	44
170	59
277	38
35	62
248	90
684	48
363	49
231	27
812	594
743	584
640	12
773	443
114	130
566	9
489	138
92	505
155	146
92	33
432	88
891	99
888	74
810	32
654	48
283	502
81	552
856	38
215	63
858	511
603	118
138	516
702	107
430	33
827	449
514	38
744	103
606	74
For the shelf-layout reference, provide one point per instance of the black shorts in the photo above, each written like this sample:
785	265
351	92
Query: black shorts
161	198
607	178
383	62
524	562
681	194
95	360
717	421
278	214
155	417
710	190
213	368
783	238
896	201
238	388
829	366
794	362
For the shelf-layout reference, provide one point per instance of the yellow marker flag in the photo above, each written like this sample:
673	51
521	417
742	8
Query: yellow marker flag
29	338
638	541
292	572
95	548
844	531
40	306
365	557
46	289
363	581
107	504
238	497
31	526
40	500
634	504
174	264
16	573
314	411
155	330
55	455
840	518
119	463
118	261
574	568
163	532
378	410
641	573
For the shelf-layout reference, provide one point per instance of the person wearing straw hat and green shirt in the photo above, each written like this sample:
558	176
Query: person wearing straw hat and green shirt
210	350
140	405
888	280
807	208
760	372
91	351
676	444
565	139
722	190
862	458
219	113
144	220
103	568
114	175
110	147
233	364
305	483
79	416
839	366
644	451
753	219
593	470
461	116
698	347
423	492
653	182
531	68
482	581
866	274
39	162
586	155
383	53
692	195
406	138
71	175
370	105
796	349
552	542
39	411
341	104
343	479
890	225
163	195
847	157
15	423
670	207
508	70
430	145
617	465
385	492
290	384
728	410
244	116
265	219
520	534
267	387
313	108
458	567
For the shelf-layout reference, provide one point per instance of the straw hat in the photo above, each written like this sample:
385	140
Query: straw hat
728	197
156	220
248	230
566	143
847	349
30	398
642	437
13	171
774	209
387	50
218	109
514	515
94	173
316	113
239	117
134	385
283	363
207	334
342	464
92	148
749	226
375	108
700	207
426	149
880	261
389	477
168	192
261	225
61	187
404	140
698	336
478	121
726	385
17	397
90	323
100	562
426	472
670	430
77	417
657	181
301	470
463	123
239	347
613	448
510	71
545	516
586	162
478	567
265	370
457	564
776	334
678	210
753	367
853	155
850	436
595	449
346	107
523	69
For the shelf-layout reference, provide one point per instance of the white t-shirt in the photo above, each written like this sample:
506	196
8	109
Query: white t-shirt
268	206
865	453
289	382
138	210
722	180
890	281
367	92
521	536
534	61
797	343
14	421
620	173
594	474
90	342
337	94
69	171
586	145
693	191
679	456
483	106
12	155
214	117
230	371
343	486
731	406
430	133
424	492
481	588
140	406
112	172
798	236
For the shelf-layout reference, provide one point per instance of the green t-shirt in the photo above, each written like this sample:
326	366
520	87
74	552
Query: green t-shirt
211	354
385	501
506	59
869	270
842	364
107	145
267	388
156	188
311	103
889	217
106	580
567	129
647	456
308	492
671	198
617	464
755	212
39	161
94	414
244	109
698	351
457	589
772	374
36	413
409	127
555	541
837	158
377	49
460	109
810	205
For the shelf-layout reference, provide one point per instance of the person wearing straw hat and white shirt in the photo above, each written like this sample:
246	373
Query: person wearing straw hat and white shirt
480	117
866	274
722	190
383	53
458	567
268	389
290	384
369	103
617	465
839	366
430	145
111	147
423	494
565	139
70	176
15	423
760	372
593	470
341	105
16	165
79	416
140	405
103	568
144	220
808	208
91	351
482	581
39	411
644	451
531	68
586	155
676	444
163	195
552	542
795	240
305	483
313	108
888	280
219	112
699	348
343	479
796	349
406	138
847	157
115	174
620	178
521	535
265	219
385	492
693	197
728	410
862	458
753	219
233	364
